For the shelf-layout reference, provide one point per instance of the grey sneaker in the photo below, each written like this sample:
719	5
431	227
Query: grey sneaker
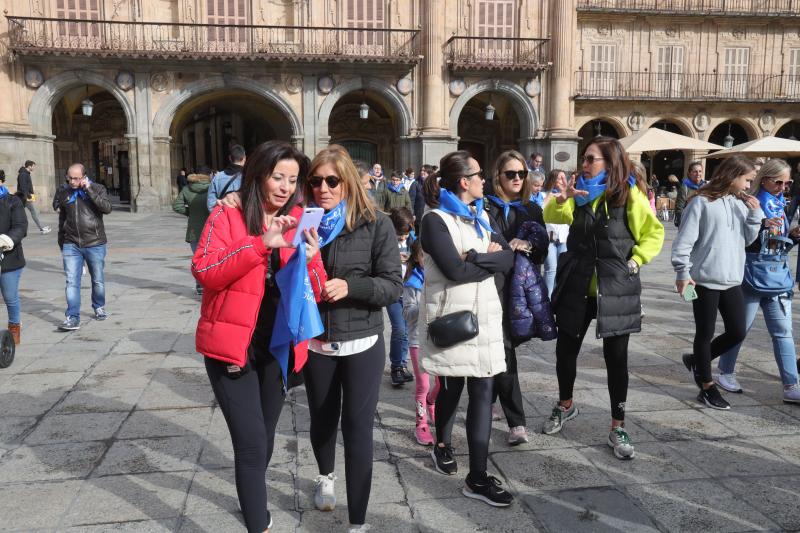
100	313
791	393
45	230
517	435
620	442
557	418
729	382
324	496
71	323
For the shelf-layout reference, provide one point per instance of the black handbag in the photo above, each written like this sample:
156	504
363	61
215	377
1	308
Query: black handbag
454	328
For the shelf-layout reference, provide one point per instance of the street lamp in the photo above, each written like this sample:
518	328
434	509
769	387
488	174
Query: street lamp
363	109
728	141
489	111
87	105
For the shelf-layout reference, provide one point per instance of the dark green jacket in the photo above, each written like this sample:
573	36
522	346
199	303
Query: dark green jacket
191	201
393	200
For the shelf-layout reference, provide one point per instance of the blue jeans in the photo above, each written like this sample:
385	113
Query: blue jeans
95	257
398	345
9	286
778	317
550	264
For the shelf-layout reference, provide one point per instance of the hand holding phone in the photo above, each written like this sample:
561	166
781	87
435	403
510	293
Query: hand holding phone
686	289
312	217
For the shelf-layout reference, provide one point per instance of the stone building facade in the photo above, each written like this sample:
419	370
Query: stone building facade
172	83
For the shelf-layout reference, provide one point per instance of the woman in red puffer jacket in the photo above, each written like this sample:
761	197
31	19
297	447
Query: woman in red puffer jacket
238	255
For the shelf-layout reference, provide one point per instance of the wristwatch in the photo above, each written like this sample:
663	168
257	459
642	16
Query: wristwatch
633	267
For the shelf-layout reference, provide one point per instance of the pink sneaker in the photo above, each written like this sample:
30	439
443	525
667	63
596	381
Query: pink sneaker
422	431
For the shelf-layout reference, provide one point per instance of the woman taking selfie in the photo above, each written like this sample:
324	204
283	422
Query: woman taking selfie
613	232
359	249
239	253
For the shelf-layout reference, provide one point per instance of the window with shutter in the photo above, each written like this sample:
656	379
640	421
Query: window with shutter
602	68
735	71
80	10
495	20
370	14
669	71
792	84
229	13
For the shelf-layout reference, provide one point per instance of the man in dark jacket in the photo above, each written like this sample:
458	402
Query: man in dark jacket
82	237
26	194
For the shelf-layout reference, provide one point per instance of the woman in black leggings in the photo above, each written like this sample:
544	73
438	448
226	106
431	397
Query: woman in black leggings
236	262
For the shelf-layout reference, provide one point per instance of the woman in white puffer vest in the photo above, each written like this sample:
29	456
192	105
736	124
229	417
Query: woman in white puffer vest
462	255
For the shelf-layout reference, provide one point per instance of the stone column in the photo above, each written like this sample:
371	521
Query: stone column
147	193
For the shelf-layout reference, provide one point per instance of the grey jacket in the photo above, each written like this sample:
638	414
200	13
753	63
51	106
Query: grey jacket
709	248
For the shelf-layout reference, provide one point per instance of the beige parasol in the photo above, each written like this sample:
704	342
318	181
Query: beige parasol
763	147
654	140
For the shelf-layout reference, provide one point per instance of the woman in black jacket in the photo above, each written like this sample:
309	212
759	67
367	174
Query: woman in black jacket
359	249
509	208
13	228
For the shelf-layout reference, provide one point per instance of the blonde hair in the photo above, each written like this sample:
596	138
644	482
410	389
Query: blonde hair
358	203
501	161
771	169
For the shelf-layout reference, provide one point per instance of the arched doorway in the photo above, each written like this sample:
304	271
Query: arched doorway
371	139
204	129
791	130
89	126
666	162
485	138
728	133
596	128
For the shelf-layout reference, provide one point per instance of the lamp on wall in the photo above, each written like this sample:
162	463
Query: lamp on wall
489	111
728	141
363	109
87	105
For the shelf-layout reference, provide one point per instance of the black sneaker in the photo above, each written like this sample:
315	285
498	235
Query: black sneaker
443	459
407	376
489	490
398	376
713	399
688	362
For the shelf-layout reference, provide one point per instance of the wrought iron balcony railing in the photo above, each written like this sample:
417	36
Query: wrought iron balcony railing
498	53
691	87
104	38
749	8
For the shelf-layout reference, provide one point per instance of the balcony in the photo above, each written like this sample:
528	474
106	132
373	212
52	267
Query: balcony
736	8
686	87
104	38
470	54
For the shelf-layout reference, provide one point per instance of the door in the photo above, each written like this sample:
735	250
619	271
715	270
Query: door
230	13
602	69
78	34
669	78
735	72
362	150
495	21
123	168
370	14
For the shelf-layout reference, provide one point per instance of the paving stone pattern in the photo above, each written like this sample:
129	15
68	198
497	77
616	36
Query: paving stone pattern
114	426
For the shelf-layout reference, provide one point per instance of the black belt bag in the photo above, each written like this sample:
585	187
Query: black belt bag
454	328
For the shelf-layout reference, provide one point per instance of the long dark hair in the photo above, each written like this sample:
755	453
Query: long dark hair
257	169
452	167
618	170
724	176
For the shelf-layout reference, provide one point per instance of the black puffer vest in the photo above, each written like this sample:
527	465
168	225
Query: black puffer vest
600	242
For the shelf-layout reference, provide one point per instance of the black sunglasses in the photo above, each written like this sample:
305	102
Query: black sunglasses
591	159
332	181
478	173
511	174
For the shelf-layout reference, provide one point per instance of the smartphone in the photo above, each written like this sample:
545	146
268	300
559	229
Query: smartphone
312	216
689	294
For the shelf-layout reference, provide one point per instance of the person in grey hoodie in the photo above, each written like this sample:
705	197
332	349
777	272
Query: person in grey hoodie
708	254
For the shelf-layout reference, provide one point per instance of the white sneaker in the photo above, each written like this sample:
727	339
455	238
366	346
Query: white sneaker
45	230
324	497
729	382
358	529
791	393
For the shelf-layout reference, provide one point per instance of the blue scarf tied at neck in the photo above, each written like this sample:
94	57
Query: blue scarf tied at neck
3	191
538	199
499	202
412	235
595	187
773	206
77	193
451	204
394	188
332	224
692	185
417	279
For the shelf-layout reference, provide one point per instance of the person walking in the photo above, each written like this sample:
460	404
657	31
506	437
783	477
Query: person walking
558	233
26	194
191	201
403	222
708	255
509	208
82	237
462	255
227	180
613	232
777	306
688	188
182	180
242	252
345	364
13	228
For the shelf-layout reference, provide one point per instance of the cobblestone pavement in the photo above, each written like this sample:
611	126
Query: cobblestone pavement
114	427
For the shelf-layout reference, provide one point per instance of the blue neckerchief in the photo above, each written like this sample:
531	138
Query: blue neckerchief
538	199
412	236
555	191
297	318
332	224
451	204
3	191
499	202
393	188
417	279
692	185
595	186
76	193
773	206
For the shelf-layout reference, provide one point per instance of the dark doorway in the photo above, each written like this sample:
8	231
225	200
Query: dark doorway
124	176
363	151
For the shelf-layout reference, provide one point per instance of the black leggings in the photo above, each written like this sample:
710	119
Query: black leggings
346	386
506	387
730	303
615	352
251	405
479	417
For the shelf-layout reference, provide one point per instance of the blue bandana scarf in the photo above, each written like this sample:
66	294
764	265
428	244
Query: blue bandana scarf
538	199
77	193
692	185
449	203
3	191
595	186
417	279
332	224
412	236
773	206
499	202
394	188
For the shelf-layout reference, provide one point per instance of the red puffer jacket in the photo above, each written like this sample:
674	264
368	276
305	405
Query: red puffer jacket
232	267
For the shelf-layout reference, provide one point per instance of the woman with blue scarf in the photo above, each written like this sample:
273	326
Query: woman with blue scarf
511	206
345	364
768	189
612	233
13	228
